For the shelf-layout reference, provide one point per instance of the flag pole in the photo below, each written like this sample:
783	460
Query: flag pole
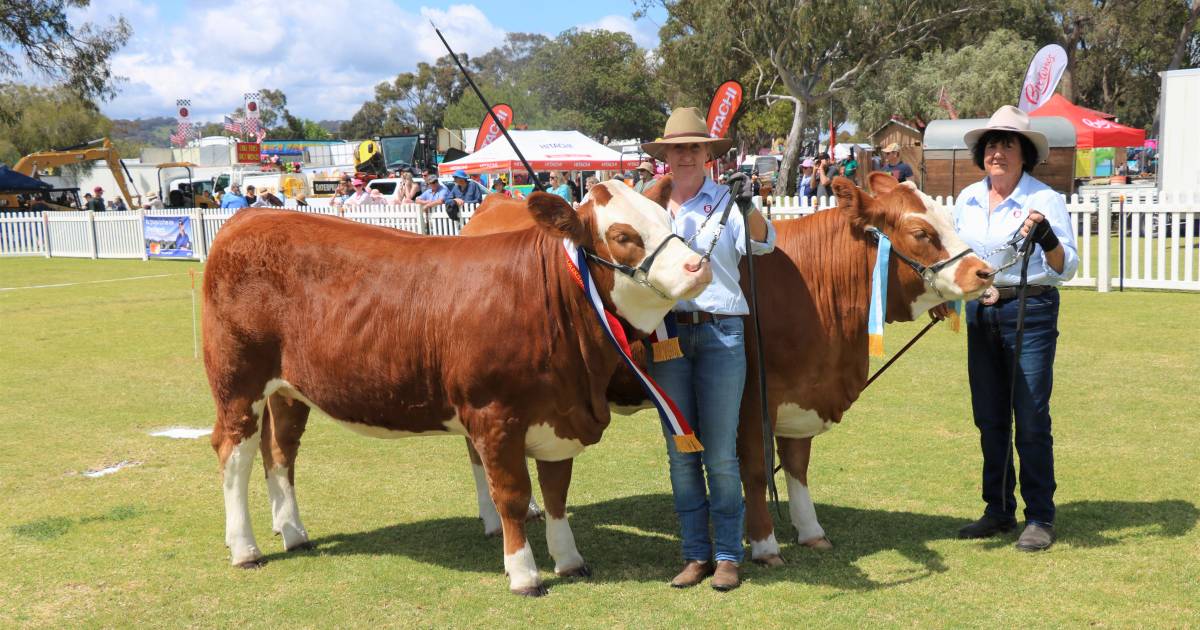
532	174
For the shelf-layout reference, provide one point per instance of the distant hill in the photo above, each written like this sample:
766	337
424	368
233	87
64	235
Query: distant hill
332	126
143	131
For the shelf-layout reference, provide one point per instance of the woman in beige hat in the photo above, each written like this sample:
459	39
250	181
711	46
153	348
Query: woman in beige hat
706	382
987	214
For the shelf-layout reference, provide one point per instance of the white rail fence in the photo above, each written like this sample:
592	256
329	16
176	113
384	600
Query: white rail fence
1141	242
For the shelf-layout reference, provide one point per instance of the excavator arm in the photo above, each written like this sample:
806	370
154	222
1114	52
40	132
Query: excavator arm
101	149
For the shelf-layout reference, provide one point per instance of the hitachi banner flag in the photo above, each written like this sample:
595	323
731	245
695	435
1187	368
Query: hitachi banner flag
1042	77
724	107
488	129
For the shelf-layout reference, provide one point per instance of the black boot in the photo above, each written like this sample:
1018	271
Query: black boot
987	526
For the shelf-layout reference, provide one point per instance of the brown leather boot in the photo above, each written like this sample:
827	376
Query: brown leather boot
692	573
726	576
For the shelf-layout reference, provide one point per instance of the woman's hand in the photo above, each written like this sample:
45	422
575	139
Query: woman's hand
1031	222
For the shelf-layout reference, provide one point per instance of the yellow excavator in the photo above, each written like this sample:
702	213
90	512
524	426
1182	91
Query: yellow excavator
100	149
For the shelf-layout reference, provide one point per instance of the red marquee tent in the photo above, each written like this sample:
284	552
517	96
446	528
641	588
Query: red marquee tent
1092	128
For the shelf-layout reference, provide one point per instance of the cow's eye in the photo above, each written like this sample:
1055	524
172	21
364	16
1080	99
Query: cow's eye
921	235
622	239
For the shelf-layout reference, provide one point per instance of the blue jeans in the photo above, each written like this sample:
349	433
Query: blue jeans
707	385
991	336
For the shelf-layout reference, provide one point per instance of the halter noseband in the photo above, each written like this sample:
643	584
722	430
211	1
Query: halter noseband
641	273
927	272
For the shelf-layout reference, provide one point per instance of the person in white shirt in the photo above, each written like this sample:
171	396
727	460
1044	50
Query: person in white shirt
988	214
706	383
360	196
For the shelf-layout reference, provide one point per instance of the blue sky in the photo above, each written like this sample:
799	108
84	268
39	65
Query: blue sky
326	56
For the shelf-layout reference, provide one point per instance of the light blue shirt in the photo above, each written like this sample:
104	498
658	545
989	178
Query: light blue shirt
442	194
562	190
724	295
984	230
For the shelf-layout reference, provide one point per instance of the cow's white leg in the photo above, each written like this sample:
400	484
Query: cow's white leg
803	513
766	550
522	571
555	479
561	542
236	480
487	508
285	513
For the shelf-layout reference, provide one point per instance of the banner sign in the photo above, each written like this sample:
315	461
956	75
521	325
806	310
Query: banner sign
183	124
324	187
488	129
248	152
1042	77
250	124
169	237
724	108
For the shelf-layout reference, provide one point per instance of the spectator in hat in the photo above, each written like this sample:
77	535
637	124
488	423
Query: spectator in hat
360	196
805	189
268	199
96	204
500	187
435	193
894	165
231	199
824	171
645	176
464	191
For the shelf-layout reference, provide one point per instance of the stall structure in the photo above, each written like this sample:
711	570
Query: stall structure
947	166
1096	135
545	151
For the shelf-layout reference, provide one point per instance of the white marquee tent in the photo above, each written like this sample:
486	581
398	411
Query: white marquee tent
546	151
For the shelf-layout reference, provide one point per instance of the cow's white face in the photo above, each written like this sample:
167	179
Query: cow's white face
631	227
931	235
923	232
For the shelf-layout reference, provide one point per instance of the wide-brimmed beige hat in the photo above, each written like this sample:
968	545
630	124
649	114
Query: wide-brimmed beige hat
686	126
646	166
1009	118
892	148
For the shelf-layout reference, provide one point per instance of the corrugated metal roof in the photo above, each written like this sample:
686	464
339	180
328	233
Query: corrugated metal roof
948	134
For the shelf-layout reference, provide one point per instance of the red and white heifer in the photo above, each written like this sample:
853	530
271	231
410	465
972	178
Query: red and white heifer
397	336
814	293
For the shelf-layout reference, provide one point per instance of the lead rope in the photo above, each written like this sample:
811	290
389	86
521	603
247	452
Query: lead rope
768	434
1026	247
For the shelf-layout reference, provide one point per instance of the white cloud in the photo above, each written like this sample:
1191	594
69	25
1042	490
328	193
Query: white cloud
644	33
327	57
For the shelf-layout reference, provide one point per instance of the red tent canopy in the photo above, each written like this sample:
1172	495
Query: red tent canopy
1092	128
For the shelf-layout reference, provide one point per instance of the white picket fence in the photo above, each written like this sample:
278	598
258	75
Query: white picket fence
1161	235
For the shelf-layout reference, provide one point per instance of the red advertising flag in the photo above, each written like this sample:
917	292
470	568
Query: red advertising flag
488	129
724	108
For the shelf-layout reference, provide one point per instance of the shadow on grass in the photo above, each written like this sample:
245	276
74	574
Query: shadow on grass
635	539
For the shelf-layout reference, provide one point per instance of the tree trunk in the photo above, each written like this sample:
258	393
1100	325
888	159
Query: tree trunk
791	150
1185	34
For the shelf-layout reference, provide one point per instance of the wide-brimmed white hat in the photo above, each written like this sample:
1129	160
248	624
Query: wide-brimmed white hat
686	126
1009	118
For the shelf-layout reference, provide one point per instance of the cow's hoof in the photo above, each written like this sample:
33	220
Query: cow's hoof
256	563
539	590
771	562
304	546
820	543
581	571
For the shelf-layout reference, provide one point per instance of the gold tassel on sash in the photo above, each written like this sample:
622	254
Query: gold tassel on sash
666	350
688	444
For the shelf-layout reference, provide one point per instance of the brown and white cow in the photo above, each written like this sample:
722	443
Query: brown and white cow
814	291
397	336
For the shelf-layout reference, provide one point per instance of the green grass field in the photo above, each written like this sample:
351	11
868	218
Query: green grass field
86	371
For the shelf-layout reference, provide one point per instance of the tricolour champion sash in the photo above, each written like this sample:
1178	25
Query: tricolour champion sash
672	418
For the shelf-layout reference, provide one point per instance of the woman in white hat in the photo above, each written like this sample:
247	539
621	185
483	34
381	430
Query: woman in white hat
707	381
987	214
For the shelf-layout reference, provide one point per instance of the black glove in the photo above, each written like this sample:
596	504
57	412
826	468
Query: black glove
1044	236
742	190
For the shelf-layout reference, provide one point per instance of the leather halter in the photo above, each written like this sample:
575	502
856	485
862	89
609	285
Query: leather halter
927	272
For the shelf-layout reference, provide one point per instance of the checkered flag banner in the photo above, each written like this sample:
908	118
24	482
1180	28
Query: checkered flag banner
250	125
183	125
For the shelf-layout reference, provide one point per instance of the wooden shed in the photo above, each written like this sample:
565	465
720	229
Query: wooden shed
947	166
910	141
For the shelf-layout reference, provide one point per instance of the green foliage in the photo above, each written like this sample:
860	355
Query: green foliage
79	56
45	118
977	78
